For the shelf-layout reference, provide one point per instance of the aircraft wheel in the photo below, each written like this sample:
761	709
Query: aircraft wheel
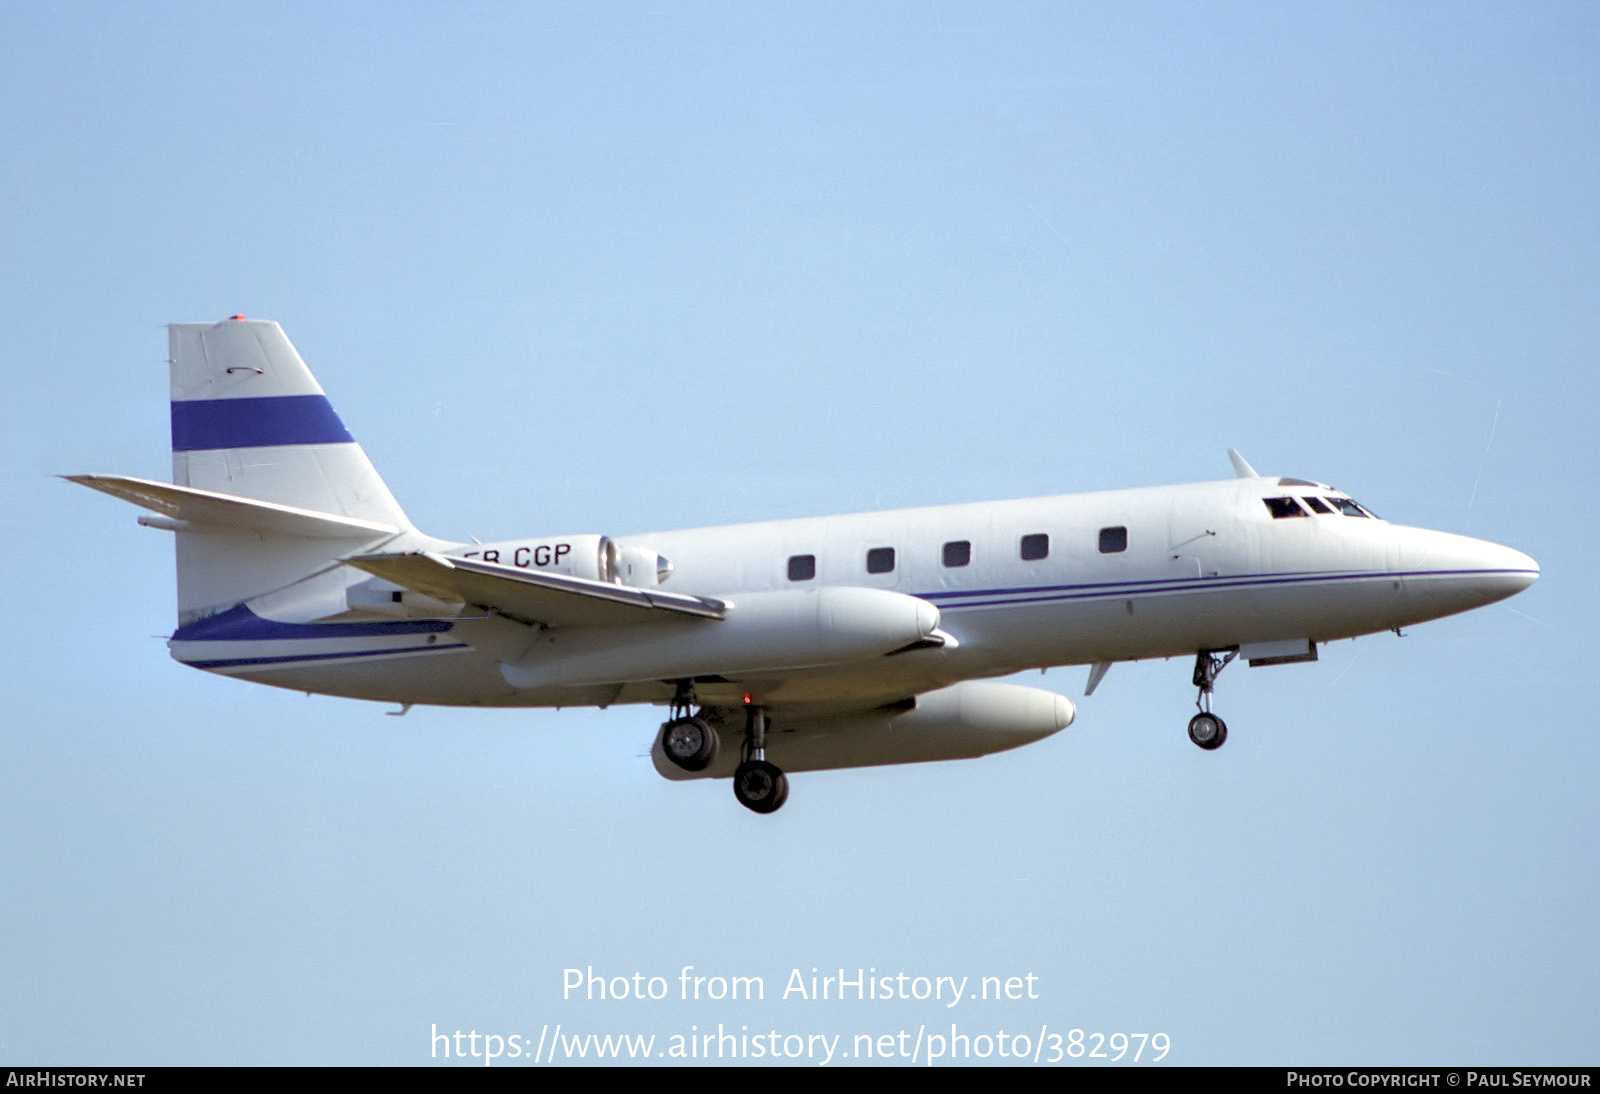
1208	731
760	786
690	743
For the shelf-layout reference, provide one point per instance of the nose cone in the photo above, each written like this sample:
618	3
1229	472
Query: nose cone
1444	574
1518	570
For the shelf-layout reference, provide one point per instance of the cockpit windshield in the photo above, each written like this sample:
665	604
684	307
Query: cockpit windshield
1350	508
1318	504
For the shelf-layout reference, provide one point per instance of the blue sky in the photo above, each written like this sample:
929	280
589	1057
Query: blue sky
588	268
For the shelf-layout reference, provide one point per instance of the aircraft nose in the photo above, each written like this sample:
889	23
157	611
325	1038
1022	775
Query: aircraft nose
1448	573
1525	568
1500	570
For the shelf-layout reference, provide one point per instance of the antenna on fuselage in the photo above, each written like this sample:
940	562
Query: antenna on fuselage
1241	467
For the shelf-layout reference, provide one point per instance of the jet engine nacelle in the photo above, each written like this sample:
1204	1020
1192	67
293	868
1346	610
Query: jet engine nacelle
763	633
954	723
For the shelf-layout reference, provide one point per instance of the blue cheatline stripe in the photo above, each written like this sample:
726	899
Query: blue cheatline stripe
240	624
1103	591
253	423
305	658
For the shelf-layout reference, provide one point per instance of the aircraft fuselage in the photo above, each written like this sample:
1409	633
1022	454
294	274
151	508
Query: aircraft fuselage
1113	576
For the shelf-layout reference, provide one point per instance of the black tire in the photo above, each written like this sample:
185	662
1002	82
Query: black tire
1208	731
690	743
760	786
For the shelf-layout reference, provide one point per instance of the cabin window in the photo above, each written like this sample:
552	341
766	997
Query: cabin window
1317	505
802	567
1035	547
1283	507
958	552
880	560
1113	540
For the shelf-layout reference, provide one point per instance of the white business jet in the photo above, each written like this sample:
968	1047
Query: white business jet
829	642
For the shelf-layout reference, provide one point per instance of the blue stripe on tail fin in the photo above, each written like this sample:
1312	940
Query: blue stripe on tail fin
256	422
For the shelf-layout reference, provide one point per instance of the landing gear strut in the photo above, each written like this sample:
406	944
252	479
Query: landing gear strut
688	740
1206	729
760	786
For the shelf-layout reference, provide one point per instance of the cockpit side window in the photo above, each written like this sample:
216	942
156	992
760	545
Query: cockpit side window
1348	507
1317	505
1283	507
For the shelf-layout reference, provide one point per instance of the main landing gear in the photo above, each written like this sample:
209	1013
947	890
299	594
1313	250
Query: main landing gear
760	786
1206	729
689	741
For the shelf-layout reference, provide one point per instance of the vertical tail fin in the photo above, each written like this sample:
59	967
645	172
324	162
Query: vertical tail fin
249	420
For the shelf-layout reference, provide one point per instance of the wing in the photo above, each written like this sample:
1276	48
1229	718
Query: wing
532	596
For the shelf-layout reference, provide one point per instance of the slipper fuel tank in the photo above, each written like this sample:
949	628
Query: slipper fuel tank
762	632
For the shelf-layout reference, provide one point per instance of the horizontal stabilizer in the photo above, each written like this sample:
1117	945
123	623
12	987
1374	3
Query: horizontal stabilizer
206	507
531	596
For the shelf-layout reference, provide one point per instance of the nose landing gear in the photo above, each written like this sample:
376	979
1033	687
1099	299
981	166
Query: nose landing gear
1206	729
